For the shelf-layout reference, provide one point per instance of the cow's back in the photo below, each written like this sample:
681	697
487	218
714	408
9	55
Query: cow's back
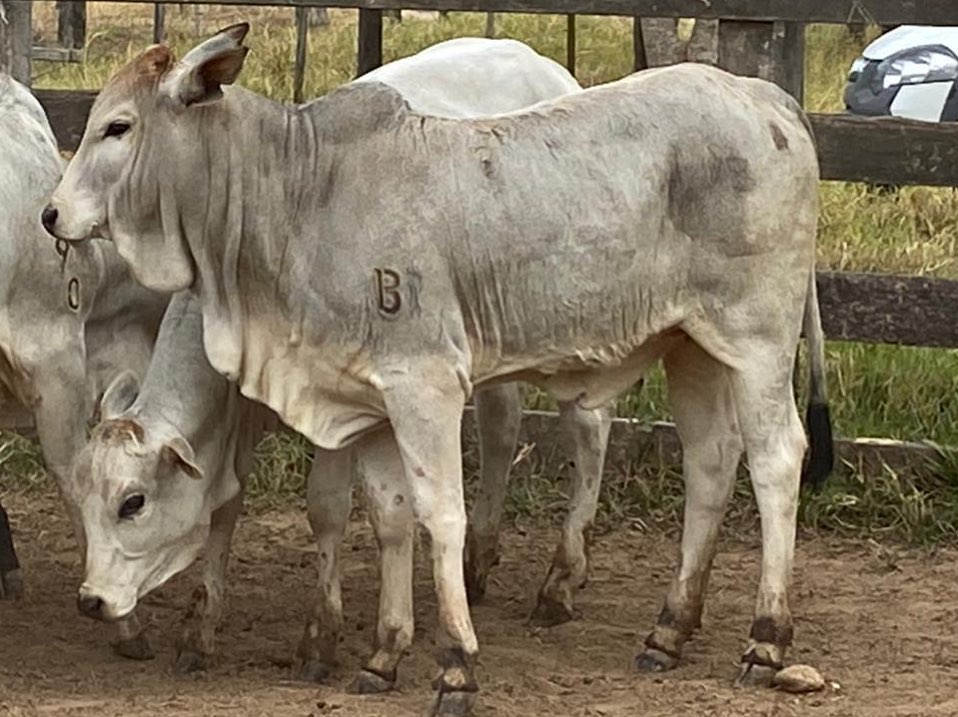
474	76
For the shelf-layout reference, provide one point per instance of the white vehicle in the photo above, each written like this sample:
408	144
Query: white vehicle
909	72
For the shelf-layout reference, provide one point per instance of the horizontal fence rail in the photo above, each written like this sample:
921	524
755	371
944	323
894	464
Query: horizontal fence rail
887	150
634	445
879	150
883	12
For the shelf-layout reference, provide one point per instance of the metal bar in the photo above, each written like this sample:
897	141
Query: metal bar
159	22
299	67
641	61
842	12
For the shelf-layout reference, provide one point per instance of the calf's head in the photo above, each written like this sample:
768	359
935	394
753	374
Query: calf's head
145	121
144	501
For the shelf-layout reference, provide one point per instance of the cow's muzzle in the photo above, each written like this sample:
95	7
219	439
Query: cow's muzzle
48	218
91	606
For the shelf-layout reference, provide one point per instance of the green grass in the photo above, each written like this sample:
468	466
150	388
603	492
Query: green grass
876	390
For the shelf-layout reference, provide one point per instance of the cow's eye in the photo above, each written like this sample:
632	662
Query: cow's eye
116	129
132	505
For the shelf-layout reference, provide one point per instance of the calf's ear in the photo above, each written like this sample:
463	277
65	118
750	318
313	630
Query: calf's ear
198	78
179	453
119	396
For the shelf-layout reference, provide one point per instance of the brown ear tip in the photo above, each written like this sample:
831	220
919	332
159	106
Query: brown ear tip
156	58
237	32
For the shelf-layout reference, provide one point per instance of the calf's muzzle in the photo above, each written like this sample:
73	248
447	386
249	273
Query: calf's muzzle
91	606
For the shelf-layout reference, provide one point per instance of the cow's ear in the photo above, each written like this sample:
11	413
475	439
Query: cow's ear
154	61
199	77
178	452
119	396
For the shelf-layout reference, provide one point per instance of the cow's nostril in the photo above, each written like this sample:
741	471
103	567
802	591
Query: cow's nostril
90	605
48	217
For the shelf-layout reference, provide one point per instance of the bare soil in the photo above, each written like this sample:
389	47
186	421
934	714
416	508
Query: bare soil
879	624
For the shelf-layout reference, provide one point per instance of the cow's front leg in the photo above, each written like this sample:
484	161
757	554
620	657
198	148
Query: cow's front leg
11	580
390	511
702	404
498	415
328	502
195	647
588	434
426	414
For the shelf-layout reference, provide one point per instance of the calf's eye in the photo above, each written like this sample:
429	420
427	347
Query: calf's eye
131	506
116	129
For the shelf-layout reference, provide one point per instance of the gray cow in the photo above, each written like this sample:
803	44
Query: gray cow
69	318
186	409
362	268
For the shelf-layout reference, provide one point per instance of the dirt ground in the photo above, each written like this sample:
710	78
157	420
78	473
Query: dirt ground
880	625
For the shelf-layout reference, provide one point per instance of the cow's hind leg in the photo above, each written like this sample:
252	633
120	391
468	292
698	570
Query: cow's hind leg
11	579
391	514
196	643
498	415
588	434
775	445
328	499
705	416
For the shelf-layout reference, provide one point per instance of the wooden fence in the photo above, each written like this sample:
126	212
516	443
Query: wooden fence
755	37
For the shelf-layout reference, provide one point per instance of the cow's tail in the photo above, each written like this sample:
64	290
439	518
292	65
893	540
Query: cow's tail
821	456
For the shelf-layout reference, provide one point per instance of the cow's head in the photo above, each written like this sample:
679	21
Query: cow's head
145	504
113	186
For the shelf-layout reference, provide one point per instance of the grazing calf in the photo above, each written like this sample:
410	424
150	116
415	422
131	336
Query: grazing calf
70	319
361	267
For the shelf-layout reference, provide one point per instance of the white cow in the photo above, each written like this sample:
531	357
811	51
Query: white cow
361	267
454	78
69	318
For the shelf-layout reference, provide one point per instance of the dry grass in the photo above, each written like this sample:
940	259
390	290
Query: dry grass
876	391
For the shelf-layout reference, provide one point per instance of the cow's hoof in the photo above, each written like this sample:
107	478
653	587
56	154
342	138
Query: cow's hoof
136	648
369	683
188	661
453	704
652	660
313	671
11	585
754	675
549	613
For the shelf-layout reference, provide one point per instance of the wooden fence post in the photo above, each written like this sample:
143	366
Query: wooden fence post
71	24
370	50
16	39
570	44
774	51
